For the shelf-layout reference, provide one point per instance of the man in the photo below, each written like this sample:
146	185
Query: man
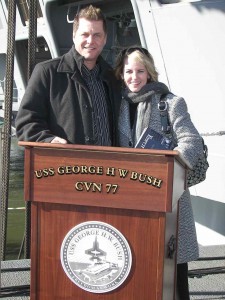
74	98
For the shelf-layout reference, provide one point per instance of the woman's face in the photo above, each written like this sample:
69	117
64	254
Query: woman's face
135	74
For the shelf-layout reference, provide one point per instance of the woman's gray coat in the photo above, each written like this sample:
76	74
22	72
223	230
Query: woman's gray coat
190	147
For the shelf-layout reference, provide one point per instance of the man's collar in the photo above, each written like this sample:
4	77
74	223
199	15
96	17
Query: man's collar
87	72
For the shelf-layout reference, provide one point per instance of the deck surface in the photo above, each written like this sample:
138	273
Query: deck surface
208	282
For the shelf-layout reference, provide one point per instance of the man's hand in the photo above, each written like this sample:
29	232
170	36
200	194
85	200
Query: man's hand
58	140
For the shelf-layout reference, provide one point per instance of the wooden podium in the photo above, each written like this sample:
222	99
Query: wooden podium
133	190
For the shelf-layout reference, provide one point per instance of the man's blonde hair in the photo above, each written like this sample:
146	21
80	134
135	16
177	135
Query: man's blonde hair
90	13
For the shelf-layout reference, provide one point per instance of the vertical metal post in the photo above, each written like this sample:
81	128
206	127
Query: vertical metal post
1	138
31	64
1	124
7	122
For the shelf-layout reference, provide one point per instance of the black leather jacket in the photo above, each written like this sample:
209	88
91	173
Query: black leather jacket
57	102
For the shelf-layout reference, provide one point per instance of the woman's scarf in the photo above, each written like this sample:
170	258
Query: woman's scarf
142	117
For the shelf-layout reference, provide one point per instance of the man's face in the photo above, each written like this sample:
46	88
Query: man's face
89	40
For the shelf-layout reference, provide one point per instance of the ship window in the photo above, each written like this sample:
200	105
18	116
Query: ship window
2	81
121	25
2	77
42	53
1	26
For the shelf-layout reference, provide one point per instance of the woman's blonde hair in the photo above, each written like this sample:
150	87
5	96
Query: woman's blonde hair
141	55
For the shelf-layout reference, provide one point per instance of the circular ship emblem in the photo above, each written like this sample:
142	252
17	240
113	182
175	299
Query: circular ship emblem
96	257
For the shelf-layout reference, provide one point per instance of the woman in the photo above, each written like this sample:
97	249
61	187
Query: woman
139	109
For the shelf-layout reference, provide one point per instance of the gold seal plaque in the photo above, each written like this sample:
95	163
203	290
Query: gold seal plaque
96	257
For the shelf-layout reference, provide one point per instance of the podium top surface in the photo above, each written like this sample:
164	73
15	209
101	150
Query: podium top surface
174	153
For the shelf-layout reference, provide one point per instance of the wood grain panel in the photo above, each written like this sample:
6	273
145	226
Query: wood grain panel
143	213
143	231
